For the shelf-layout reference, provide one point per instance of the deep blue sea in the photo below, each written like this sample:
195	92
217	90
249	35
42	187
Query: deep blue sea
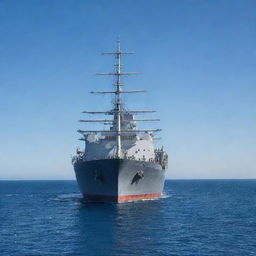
195	217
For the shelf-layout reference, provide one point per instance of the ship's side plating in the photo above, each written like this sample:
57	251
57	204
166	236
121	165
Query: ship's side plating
119	179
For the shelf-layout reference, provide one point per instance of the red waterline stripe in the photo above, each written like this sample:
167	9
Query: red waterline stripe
121	199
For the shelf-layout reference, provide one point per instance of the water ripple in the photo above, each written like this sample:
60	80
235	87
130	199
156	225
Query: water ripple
191	218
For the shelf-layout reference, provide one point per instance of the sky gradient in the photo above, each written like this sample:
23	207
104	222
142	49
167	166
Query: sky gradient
199	65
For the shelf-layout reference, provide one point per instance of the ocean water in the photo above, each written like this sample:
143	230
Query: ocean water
195	217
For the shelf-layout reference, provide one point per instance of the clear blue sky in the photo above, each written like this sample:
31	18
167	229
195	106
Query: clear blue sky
199	65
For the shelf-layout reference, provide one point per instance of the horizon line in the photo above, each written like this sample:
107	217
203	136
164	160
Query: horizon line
165	179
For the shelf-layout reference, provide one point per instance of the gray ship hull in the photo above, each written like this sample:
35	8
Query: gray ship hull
119	180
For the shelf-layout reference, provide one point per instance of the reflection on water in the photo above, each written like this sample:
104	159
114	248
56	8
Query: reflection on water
125	228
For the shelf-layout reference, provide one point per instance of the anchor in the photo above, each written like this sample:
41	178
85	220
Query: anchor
99	176
138	176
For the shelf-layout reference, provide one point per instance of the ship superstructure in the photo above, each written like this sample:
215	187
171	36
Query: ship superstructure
120	163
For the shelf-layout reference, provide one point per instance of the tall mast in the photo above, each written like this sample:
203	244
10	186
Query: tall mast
117	108
118	103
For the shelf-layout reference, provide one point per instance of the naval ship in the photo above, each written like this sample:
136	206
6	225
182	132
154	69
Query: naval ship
120	162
